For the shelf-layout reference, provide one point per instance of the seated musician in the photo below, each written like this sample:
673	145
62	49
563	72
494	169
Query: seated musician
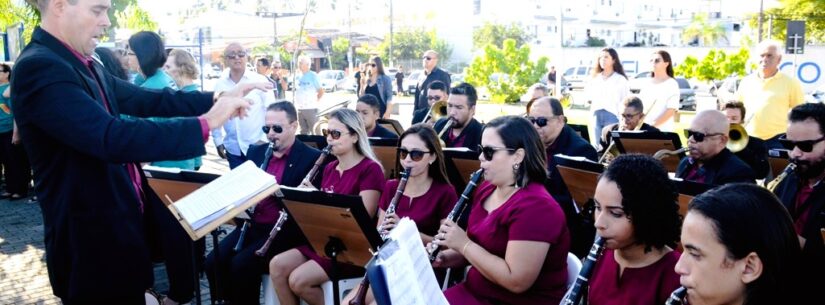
517	239
640	226
740	248
755	154
630	119
548	119
300	272
803	190
240	272
428	196
461	107
369	110
436	92
708	160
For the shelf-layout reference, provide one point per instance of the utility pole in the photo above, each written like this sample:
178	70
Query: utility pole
761	12
391	42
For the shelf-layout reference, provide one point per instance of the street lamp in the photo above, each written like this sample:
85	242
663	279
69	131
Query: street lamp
275	17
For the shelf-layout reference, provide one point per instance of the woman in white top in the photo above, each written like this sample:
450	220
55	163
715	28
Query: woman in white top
606	89
660	94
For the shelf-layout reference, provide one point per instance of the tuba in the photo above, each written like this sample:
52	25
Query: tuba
738	138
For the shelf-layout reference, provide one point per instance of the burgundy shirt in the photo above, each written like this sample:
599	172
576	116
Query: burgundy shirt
694	174
802	210
267	211
530	214
426	210
649	285
456	141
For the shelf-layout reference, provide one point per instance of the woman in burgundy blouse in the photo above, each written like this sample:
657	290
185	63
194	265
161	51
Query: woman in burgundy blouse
428	196
517	239
300	272
638	216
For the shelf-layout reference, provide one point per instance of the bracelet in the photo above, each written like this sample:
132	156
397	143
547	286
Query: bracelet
464	249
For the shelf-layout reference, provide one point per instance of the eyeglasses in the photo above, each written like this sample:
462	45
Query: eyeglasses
130	53
415	155
698	136
805	146
488	151
235	55
427	58
628	116
335	134
433	98
539	121
372	65
275	128
656	60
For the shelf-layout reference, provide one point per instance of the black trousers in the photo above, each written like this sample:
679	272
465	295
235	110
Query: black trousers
17	171
240	272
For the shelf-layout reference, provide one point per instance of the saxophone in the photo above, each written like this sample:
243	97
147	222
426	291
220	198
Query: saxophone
574	296
771	186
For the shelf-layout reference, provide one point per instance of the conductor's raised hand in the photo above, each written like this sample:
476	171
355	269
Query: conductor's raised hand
241	90
226	108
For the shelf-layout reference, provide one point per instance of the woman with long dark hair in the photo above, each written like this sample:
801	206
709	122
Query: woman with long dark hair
660	93
606	90
378	84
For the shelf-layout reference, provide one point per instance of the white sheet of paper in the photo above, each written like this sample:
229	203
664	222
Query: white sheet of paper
409	270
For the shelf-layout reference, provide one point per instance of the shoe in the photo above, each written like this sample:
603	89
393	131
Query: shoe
33	199
5	195
14	197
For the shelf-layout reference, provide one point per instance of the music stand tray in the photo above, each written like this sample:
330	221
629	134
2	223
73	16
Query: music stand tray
318	142
392	125
778	159
688	190
648	143
460	165
581	130
580	175
386	150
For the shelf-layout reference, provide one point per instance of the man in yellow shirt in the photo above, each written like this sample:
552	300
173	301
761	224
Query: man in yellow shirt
769	93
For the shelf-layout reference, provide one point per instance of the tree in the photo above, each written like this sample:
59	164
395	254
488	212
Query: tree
340	47
808	10
412	43
14	13
716	65
136	19
595	42
706	32
492	33
506	72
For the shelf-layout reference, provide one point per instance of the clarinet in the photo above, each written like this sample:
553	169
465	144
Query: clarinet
574	296
267	156
314	171
677	297
277	228
361	297
455	213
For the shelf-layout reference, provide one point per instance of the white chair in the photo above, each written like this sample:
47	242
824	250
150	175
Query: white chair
344	287
574	265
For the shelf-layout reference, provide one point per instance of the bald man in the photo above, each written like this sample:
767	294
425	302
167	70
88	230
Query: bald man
431	73
708	160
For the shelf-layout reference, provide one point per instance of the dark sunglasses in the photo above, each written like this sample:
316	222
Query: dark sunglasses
275	128
433	98
489	151
427	58
235	55
698	136
415	155
628	116
805	146
539	121
372	65
335	134
656	60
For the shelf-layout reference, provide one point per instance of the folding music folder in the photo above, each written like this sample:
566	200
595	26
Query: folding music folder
461	163
386	150
581	130
391	125
326	216
648	143
778	159
318	142
201	207
688	190
580	175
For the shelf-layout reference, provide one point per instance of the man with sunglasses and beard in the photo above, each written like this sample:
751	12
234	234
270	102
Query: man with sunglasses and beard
239	272
461	107
436	92
802	191
547	116
708	160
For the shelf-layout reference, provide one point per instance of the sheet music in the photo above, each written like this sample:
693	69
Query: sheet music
575	158
224	193
461	149
408	269
171	170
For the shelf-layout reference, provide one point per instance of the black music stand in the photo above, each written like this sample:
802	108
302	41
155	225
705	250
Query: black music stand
337	227
174	186
581	130
688	190
580	175
318	142
391	125
648	143
460	164
778	160
386	150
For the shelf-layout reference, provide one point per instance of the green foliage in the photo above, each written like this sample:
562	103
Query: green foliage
595	42
492	33
716	65
412	44
808	10
14	13
136	19
707	32
506	72
339	53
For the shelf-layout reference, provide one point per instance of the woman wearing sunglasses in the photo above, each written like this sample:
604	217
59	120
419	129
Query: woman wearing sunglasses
428	196
660	92
640	227
299	272
517	240
378	84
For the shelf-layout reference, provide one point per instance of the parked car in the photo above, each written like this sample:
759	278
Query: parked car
577	75
727	90
211	71
635	83
687	93
411	81
456	79
350	84
331	80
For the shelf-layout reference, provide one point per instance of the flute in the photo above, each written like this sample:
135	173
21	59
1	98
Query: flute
245	227
455	213
277	228
574	296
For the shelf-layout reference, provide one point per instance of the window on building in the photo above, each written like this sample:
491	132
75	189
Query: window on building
476	7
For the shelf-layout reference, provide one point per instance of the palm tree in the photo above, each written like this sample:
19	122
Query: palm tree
707	33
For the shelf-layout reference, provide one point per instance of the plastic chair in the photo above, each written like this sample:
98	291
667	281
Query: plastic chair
344	287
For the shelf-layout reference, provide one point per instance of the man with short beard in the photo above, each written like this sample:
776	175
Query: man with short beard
802	191
461	107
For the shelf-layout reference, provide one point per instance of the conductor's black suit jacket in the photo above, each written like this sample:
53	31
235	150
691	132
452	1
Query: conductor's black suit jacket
95	229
